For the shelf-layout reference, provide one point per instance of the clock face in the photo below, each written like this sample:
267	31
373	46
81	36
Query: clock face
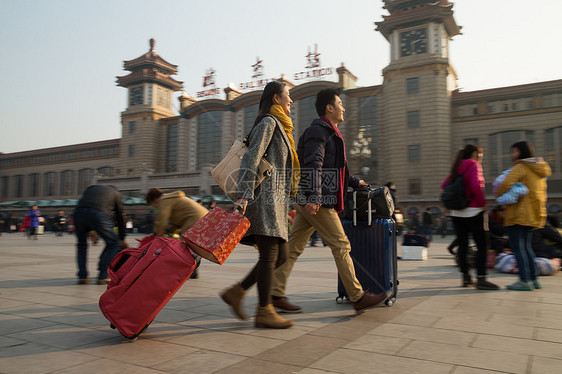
413	42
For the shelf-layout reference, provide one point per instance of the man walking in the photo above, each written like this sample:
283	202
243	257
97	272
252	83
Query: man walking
427	228
324	180
99	210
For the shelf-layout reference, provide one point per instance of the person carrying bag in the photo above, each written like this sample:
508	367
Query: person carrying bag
267	205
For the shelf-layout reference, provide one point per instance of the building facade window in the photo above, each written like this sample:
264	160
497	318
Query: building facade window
132	127
136	95
33	185
553	148
414	186
131	150
414	152
18	186
106	171
172	148
67	183
412	85
85	178
250	114
49	180
307	112
364	148
499	146
209	137
5	185
414	118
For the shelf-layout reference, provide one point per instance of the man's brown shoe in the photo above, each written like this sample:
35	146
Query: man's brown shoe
369	300
83	280
284	306
104	281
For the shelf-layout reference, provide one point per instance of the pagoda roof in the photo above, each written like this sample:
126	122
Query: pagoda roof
150	59
407	13
149	75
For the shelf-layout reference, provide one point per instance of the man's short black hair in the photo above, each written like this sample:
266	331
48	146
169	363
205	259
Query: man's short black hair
325	97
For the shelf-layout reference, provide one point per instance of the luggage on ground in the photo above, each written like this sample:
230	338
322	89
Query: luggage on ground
373	251
143	280
368	203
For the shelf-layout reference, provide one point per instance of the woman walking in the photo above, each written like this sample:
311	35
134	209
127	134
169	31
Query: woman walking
267	206
471	218
528	213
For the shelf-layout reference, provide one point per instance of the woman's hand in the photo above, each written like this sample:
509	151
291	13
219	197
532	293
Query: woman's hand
241	205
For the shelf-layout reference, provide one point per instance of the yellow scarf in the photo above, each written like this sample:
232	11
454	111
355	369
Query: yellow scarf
278	112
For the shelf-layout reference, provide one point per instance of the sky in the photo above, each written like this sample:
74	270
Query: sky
59	58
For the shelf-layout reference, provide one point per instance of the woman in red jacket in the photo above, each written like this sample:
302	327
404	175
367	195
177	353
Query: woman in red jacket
471	218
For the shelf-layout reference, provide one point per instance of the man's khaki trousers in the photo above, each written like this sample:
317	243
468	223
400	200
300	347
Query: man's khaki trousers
329	226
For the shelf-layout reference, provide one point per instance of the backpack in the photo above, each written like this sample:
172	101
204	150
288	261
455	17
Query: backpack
453	196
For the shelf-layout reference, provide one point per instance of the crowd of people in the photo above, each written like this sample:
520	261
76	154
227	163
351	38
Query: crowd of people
302	198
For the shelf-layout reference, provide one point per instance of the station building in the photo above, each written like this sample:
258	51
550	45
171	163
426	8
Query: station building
406	130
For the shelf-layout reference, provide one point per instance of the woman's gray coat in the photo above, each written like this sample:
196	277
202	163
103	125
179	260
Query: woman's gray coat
268	204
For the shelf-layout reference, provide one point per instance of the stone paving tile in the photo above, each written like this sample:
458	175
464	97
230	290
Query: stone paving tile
467	356
469	370
227	342
422	333
515	319
520	346
10	324
106	366
6	342
255	366
301	351
386	345
551	335
347	361
142	352
477	324
35	358
201	362
62	336
197	333
543	365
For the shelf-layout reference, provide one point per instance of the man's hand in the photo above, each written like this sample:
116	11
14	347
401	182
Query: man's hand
362	183
241	204
312	209
123	244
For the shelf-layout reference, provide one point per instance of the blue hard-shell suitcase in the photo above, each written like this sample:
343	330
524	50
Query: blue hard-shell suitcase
373	250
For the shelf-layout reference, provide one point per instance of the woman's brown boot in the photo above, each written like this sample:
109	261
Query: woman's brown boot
233	297
267	317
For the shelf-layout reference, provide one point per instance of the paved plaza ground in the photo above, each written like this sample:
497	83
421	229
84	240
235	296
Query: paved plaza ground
49	324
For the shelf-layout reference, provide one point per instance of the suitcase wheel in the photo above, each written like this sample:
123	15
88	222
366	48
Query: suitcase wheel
390	302
340	299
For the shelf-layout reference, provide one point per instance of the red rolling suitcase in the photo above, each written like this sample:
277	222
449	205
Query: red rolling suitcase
143	280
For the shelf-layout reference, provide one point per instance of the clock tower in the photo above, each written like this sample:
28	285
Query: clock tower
416	152
150	87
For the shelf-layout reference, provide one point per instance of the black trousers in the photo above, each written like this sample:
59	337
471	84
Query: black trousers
272	254
474	225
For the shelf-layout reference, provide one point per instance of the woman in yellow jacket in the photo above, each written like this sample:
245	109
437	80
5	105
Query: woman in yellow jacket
528	213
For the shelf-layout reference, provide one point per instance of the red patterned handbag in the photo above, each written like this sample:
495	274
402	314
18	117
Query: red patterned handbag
215	235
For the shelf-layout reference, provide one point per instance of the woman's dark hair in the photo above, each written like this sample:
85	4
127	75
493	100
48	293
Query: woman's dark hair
462	154
153	194
525	148
325	97
266	100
